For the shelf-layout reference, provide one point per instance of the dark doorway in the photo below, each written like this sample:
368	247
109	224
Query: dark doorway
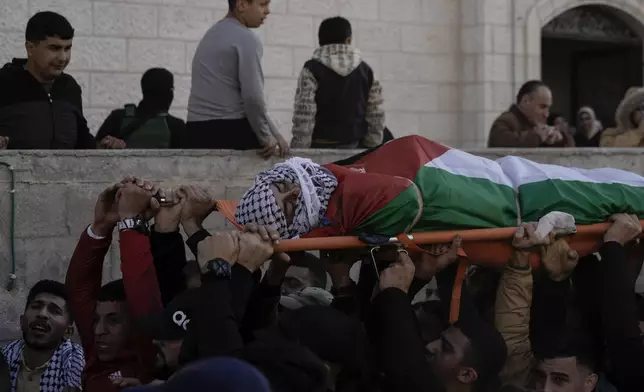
590	57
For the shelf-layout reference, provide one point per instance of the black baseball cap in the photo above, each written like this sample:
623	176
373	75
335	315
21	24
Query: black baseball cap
172	322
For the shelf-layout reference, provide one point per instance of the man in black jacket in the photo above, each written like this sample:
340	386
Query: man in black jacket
40	105
618	305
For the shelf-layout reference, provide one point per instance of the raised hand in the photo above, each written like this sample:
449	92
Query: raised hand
135	200
625	228
169	213
198	204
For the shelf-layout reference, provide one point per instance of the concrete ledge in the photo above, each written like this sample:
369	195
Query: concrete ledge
56	192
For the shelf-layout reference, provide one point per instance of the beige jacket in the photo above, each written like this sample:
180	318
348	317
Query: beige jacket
626	134
512	320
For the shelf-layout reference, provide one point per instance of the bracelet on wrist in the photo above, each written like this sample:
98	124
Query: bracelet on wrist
138	223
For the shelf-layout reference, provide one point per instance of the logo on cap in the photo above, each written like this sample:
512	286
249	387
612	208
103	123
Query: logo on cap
181	319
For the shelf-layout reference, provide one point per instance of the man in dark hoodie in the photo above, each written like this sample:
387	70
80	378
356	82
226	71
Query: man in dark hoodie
338	102
41	106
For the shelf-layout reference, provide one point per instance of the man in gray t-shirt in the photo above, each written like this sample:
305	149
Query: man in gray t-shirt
227	108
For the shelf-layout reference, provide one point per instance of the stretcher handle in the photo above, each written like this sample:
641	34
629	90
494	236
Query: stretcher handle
439	237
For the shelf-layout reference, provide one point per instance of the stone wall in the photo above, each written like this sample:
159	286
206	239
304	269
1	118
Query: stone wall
448	66
55	192
411	44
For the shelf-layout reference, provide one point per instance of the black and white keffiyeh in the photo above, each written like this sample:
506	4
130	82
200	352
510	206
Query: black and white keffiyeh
64	369
259	206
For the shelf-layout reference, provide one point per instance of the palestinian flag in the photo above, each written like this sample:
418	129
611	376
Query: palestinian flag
412	184
588	195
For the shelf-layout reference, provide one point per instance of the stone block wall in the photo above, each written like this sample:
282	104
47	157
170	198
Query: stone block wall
448	67
411	44
55	193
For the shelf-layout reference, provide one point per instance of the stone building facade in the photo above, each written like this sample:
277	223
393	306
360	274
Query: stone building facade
448	66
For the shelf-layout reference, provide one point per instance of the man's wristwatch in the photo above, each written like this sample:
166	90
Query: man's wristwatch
219	267
136	224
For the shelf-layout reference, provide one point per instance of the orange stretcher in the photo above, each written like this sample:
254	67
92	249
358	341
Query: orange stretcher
485	247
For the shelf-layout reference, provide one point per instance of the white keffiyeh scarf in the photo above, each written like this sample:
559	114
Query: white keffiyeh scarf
64	369
259	206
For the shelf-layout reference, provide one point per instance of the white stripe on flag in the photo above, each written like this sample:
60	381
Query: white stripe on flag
522	171
460	163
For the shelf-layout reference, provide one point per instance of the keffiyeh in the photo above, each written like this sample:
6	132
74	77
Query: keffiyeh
63	371
259	206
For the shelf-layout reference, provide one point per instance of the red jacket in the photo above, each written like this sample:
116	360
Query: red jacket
83	281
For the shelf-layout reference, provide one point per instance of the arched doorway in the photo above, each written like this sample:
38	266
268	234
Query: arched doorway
590	55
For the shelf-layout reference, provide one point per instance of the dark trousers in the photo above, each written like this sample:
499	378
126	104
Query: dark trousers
220	135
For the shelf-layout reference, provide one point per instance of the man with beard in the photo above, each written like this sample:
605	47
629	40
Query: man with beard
45	360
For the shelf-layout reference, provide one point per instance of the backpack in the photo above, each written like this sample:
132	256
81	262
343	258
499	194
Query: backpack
150	131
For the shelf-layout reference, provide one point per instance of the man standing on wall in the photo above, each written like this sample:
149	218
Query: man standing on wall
41	106
338	102
227	108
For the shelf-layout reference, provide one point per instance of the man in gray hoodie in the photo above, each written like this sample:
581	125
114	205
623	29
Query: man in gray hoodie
338	102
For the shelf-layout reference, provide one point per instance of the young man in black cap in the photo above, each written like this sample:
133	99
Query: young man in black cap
168	330
204	321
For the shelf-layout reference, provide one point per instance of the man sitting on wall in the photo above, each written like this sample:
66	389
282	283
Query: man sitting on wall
41	106
147	125
227	108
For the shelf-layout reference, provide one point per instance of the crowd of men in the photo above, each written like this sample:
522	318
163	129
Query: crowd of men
169	323
238	317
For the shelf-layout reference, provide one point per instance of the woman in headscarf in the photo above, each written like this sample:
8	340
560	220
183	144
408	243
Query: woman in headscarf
589	129
629	131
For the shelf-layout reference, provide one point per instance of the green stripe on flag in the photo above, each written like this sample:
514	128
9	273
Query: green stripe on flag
458	202
588	202
395	217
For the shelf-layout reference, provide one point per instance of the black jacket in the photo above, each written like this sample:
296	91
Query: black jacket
619	318
32	118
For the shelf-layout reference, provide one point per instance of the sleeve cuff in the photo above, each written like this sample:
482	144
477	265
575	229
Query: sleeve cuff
193	241
93	235
520	268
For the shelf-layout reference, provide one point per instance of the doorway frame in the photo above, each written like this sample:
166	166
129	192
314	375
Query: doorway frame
577	57
546	10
